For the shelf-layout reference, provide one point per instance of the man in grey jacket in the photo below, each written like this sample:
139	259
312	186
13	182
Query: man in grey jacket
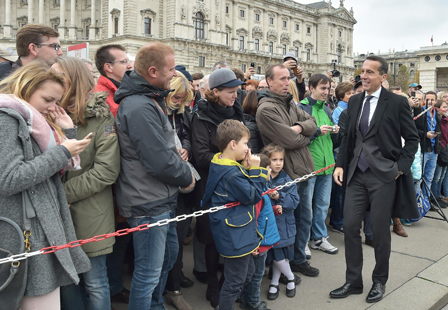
151	171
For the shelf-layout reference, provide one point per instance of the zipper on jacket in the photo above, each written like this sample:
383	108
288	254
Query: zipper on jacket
265	227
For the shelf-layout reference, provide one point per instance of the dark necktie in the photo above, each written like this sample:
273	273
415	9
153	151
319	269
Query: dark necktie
363	127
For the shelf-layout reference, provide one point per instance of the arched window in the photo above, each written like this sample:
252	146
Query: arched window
116	25
308	54
199	26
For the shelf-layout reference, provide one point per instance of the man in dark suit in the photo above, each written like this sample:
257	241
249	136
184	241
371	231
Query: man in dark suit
374	168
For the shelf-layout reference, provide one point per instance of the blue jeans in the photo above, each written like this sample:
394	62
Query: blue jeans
95	285
321	202
445	183
304	216
336	216
251	292
155	252
429	167
439	175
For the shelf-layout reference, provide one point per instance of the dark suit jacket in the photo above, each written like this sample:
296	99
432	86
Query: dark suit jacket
391	121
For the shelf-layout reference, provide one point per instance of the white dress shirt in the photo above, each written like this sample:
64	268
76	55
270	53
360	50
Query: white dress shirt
373	103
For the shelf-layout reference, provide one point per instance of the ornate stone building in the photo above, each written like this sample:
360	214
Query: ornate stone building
202	31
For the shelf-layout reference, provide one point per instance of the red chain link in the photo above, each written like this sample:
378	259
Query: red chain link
122	232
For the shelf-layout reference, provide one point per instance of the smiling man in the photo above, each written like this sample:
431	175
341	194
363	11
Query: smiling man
282	122
374	168
316	197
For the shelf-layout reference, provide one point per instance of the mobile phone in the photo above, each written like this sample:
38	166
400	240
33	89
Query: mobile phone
90	135
412	93
252	64
437	132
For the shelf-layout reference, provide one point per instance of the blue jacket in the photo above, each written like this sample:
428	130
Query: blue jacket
266	223
234	229
289	199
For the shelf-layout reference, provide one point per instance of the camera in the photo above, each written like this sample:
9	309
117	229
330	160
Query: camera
335	73
412	93
252	64
357	78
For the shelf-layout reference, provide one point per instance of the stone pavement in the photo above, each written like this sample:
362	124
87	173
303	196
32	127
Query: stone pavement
418	275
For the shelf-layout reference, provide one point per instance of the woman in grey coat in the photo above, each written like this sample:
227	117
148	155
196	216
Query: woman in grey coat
33	158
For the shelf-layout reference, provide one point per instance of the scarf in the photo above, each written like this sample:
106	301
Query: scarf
39	129
217	113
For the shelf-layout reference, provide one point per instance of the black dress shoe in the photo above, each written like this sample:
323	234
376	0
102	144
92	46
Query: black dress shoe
376	292
345	290
185	282
200	276
121	297
273	296
369	242
284	280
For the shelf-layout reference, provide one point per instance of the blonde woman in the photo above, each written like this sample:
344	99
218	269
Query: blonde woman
89	190
34	155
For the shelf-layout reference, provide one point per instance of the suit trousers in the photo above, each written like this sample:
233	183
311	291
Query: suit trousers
365	188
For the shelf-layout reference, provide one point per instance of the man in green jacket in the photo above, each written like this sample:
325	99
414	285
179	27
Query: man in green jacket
321	147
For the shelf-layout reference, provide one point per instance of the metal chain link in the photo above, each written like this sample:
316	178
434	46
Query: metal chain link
141	227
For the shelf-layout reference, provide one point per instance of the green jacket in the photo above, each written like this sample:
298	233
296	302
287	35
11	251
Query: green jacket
321	147
89	190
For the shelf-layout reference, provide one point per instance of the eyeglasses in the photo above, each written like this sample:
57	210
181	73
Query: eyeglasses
262	87
124	62
56	46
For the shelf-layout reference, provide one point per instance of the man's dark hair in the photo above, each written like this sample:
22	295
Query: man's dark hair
430	92
317	79
238	73
395	88
104	56
32	33
197	76
383	63
229	130
269	74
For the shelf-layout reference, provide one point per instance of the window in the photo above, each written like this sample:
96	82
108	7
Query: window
147	25
297	27
284	24
271	47
24	2
308	54
399	65
201	61
241	13
241	42
87	31
257	44
258	70
227	9
284	49
271	20
227	38
257	17
296	51
199	26
116	25
340	33
308	29
243	67
412	64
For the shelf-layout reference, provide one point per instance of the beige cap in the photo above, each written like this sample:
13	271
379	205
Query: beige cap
8	53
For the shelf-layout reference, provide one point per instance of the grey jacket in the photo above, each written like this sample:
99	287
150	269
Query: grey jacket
24	168
151	167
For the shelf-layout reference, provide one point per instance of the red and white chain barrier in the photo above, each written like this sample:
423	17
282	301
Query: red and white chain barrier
126	231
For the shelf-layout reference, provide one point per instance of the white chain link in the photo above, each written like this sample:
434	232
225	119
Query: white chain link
22	256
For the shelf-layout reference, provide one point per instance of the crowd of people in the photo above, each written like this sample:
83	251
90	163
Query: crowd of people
147	141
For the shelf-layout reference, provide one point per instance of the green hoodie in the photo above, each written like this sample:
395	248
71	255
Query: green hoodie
322	147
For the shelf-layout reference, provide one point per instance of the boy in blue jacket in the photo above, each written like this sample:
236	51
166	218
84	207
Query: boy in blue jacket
234	229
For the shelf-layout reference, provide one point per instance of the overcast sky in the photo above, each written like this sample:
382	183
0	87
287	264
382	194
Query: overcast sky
399	24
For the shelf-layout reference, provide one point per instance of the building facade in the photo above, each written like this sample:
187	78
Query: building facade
202	31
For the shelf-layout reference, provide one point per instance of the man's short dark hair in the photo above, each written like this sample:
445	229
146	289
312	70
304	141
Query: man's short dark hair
317	79
229	130
383	63
430	92
220	64
32	33
269	74
342	89
104	56
197	76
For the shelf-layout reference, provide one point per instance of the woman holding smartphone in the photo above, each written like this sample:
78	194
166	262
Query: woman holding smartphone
34	156
89	190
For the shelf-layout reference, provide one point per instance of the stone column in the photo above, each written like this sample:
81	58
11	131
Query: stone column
61	27
30	11
7	25
41	11
92	31
72	27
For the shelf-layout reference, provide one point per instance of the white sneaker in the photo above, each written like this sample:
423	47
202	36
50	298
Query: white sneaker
307	251
323	245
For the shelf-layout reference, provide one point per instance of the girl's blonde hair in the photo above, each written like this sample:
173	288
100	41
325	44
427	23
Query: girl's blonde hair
81	83
24	81
292	89
180	84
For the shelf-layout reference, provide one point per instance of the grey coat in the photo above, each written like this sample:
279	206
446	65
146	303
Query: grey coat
24	168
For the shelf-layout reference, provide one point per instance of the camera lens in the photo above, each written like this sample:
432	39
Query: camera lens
335	73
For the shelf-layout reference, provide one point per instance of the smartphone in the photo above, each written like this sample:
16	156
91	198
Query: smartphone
90	135
252	64
437	132
412	93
